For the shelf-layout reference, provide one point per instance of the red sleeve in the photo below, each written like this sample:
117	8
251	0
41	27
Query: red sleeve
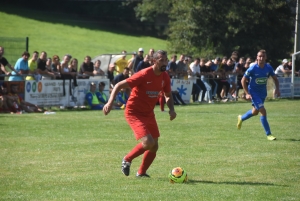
136	79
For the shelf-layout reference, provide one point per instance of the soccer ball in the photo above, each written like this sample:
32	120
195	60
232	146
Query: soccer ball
178	175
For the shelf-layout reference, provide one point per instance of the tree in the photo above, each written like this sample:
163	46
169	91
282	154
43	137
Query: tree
218	27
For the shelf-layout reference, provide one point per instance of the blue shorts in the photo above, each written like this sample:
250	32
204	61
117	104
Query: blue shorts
257	101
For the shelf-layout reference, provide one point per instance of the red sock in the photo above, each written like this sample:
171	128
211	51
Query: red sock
135	152
147	161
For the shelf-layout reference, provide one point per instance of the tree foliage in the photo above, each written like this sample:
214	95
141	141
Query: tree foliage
218	27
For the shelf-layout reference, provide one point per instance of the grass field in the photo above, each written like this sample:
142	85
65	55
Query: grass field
76	155
60	34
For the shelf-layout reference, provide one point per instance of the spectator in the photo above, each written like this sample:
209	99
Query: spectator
92	99
239	71
121	99
143	64
206	79
139	57
181	69
86	68
151	52
110	74
172	66
22	105
32	65
55	66
48	68
230	73
7	101
223	85
41	67
21	68
192	75
283	69
121	62
102	97
177	98
122	76
3	64
67	74
97	70
130	62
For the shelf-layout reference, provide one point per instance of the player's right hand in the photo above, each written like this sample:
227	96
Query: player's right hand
248	97
106	109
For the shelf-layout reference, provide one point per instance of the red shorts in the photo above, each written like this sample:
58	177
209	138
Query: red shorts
142	125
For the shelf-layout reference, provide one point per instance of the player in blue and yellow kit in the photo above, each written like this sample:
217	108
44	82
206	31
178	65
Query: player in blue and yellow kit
258	75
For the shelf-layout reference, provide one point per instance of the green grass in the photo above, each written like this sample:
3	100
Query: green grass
61	34
76	155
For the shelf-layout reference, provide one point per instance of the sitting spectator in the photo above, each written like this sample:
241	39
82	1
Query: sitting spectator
7	101
32	65
97	70
91	98
283	69
20	104
102	97
121	99
86	68
143	64
121	63
21	68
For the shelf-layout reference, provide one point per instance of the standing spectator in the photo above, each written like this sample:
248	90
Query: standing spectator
124	75
230	73
195	73
172	66
139	57
283	69
3	64
146	86
110	73
196	89
55	64
181	69
239	70
86	68
151	52
41	68
21	68
49	69
97	70
130	62
121	62
143	64
32	65
257	91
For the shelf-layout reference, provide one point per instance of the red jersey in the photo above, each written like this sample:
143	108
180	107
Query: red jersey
146	87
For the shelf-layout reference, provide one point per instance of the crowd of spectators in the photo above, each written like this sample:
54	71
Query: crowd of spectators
217	79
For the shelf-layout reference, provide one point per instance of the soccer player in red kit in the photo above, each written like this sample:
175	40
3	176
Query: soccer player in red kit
139	113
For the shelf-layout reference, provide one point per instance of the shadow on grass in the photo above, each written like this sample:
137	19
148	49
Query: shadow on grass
292	140
191	181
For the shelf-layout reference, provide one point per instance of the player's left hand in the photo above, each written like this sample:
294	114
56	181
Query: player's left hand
172	115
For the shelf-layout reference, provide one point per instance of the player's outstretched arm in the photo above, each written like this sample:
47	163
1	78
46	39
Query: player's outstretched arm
170	104
108	106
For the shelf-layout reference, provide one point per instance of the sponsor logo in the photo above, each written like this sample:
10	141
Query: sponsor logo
152	94
261	80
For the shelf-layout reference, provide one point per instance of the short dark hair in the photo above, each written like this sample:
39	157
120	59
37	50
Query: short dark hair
102	84
162	52
25	53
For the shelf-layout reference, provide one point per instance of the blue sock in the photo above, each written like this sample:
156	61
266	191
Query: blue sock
247	115
265	124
